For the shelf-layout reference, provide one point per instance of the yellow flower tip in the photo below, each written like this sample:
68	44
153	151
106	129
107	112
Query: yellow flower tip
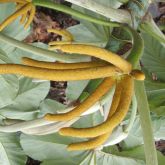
71	148
23	59
54	43
138	75
1	28
63	131
31	16
48	117
57	47
62	32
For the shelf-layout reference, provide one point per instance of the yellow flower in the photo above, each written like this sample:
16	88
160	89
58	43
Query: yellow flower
24	8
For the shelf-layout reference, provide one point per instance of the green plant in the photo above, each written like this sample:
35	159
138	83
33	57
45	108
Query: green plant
38	108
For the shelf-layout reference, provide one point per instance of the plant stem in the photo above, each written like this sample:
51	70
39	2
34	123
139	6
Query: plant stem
38	51
137	47
118	15
145	120
133	115
24	125
75	13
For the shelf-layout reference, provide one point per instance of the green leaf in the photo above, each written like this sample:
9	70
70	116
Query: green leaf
137	153
110	3
26	105
107	158
85	161
11	152
75	88
17	54
153	58
4	58
153	61
89	120
51	147
138	9
149	26
155	92
8	88
135	136
87	37
100	32
50	106
9	84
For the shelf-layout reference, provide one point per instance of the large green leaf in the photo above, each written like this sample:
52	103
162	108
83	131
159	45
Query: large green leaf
8	88
100	32
51	147
107	158
11	152
26	105
156	96
136	153
153	58
87	160
9	84
135	136
89	36
154	63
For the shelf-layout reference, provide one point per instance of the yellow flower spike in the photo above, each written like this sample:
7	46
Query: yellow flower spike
138	74
17	1
94	143
14	16
101	90
51	44
127	83
23	17
97	52
64	33
116	98
55	65
59	75
31	16
87	145
19	5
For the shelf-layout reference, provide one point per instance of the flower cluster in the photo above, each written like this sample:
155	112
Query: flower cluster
24	9
112	68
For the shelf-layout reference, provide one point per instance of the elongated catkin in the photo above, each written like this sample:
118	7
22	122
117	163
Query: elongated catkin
101	90
55	65
97	52
59	75
113	121
87	145
97	141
